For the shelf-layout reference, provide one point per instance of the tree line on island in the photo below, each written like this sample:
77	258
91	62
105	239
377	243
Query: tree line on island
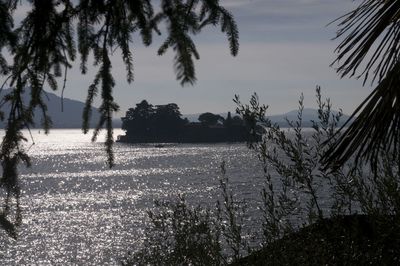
147	123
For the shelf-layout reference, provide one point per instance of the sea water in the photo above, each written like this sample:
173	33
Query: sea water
78	211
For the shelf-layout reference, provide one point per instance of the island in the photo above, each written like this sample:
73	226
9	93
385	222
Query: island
164	124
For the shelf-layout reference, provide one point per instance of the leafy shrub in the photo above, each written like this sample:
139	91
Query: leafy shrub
311	214
179	235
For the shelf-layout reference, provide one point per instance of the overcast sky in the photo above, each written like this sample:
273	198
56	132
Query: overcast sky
286	49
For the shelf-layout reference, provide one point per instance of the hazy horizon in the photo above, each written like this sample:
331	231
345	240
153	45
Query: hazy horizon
285	50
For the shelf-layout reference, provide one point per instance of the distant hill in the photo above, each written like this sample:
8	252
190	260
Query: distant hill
309	114
70	117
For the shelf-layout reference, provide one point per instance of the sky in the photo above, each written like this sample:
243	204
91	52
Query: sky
286	48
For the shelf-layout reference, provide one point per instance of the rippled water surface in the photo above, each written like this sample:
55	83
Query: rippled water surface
78	211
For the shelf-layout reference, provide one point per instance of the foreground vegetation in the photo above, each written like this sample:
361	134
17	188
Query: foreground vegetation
309	214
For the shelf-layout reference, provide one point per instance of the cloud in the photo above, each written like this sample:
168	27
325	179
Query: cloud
288	12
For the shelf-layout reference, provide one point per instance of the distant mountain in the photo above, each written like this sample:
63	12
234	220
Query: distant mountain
309	114
70	117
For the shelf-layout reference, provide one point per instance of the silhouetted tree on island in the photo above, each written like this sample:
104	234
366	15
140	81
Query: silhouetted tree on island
210	119
164	123
147	123
167	121
139	118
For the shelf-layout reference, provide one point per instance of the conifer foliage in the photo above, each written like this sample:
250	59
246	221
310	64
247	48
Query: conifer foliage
54	32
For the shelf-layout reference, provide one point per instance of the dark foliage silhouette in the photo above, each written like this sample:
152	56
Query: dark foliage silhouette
210	119
370	49
163	123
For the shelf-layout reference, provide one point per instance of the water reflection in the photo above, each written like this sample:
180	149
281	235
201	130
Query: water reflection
78	211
